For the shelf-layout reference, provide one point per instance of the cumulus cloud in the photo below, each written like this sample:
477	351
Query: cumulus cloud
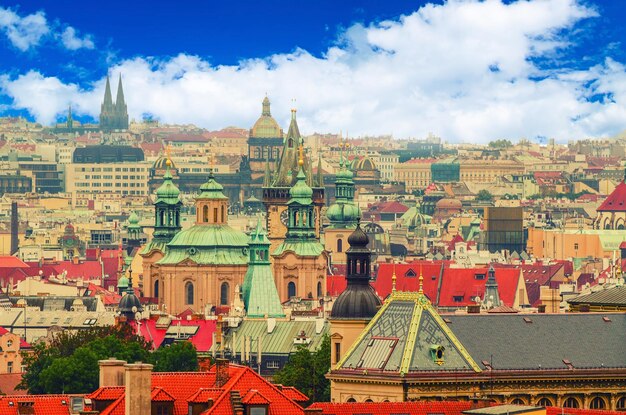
23	32
463	70
26	32
72	42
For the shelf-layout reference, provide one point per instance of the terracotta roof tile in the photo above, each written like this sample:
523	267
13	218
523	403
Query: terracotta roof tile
385	408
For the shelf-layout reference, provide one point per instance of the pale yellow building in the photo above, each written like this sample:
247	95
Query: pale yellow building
415	173
121	178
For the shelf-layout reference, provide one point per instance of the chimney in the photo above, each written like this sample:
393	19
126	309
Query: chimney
15	224
111	372
138	381
221	372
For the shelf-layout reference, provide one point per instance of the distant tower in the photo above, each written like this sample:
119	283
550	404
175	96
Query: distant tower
259	290
15	222
113	116
356	306
70	121
492	296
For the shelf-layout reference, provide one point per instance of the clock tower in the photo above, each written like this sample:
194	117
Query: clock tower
277	184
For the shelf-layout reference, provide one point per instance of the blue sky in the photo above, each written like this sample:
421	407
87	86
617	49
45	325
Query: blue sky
464	70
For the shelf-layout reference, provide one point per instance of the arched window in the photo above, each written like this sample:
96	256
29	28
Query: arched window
597	403
351	400
544	402
319	289
214	215
205	213
621	404
223	210
161	217
291	289
339	245
224	293
620	227
571	402
156	289
189	293
518	401
368	400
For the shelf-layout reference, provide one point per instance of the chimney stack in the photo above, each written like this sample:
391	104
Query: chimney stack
138	381
111	372
221	372
15	224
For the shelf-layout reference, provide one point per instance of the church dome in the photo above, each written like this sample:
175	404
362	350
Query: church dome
413	218
168	192
301	190
130	304
343	212
356	302
358	238
161	163
363	164
211	189
266	126
133	219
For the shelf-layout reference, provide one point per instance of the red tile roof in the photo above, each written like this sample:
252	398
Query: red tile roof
42	404
616	201
202	340
23	343
253	397
385	408
294	394
9	382
9	261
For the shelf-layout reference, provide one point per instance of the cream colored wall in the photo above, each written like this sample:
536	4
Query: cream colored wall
330	243
10	346
305	272
344	333
361	392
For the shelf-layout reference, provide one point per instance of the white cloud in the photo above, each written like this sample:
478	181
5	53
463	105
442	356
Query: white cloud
73	42
28	31
23	32
462	70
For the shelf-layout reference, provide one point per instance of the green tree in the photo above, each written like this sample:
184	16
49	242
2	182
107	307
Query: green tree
178	357
306	371
484	196
502	143
69	363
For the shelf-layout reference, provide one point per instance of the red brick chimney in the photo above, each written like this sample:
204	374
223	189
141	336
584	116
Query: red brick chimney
221	372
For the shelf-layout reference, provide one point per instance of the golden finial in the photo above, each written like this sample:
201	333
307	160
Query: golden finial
301	159
168	162
393	278
421	290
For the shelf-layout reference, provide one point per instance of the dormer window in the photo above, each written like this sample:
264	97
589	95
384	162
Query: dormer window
479	276
457	298
410	273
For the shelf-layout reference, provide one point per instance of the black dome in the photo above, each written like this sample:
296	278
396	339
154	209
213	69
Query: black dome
358	238
128	302
356	302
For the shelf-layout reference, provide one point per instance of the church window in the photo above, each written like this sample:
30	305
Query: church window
189	293
224	293
320	293
621	403
518	401
291	289
571	402
620	226
337	352
161	218
290	142
544	402
339	245
351	400
156	289
205	213
368	400
223	210
597	403
214	215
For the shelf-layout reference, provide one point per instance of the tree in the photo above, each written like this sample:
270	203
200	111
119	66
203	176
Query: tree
502	143
69	363
484	196
178	357
306	371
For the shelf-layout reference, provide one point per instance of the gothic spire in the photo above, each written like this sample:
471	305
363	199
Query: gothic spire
119	101
108	98
267	179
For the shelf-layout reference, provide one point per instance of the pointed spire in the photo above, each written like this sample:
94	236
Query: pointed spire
421	280
70	120
267	179
108	98
119	101
320	172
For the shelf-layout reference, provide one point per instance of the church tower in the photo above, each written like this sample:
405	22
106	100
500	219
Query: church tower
259	290
300	261
277	185
113	116
356	306
166	222
265	141
343	214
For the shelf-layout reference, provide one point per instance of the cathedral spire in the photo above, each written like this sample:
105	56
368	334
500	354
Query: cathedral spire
108	98
120	104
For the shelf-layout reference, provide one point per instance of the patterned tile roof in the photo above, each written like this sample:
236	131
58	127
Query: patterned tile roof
386	408
42	404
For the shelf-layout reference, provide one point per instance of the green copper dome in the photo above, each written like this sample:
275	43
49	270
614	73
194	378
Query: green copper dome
211	189
301	192
343	213
123	282
168	192
208	244
133	219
